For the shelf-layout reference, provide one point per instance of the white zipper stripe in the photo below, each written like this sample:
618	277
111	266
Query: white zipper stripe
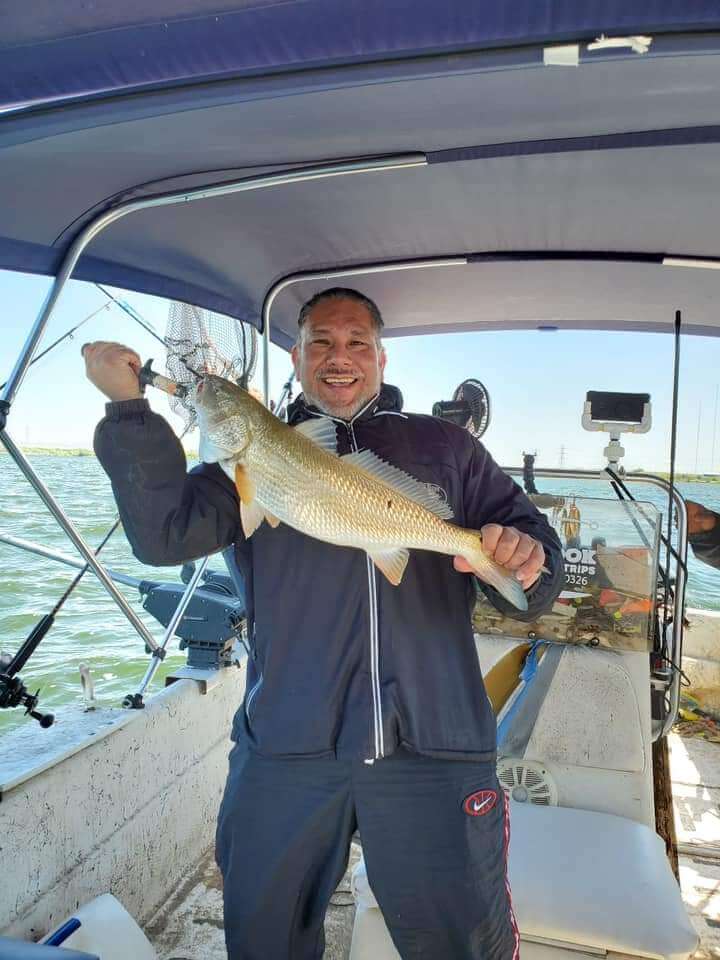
374	638
375	661
372	592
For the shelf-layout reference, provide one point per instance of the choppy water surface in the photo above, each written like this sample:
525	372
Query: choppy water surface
91	629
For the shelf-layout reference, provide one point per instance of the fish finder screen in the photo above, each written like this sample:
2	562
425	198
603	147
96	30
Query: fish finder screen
617	407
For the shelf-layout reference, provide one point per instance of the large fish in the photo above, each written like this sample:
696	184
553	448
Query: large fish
294	475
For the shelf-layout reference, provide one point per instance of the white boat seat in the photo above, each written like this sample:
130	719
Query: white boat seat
582	879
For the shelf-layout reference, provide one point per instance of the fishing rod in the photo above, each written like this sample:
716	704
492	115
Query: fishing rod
13	692
147	375
126	308
65	336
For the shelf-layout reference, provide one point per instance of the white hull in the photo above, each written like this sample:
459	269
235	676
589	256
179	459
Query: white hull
131	808
131	812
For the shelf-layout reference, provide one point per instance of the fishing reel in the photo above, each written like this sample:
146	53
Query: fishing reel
13	693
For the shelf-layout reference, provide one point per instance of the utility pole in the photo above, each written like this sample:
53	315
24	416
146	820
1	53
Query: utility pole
562	456
697	441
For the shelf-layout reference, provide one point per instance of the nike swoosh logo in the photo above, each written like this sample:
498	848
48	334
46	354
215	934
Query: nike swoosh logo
477	807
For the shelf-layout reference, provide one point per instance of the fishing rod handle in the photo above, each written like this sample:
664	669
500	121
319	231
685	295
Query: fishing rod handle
148	376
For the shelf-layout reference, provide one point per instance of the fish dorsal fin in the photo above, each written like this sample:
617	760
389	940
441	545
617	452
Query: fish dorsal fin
322	431
424	494
251	515
392	563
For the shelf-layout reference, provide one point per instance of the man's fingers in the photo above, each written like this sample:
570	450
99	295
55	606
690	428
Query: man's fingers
110	353
523	551
528	572
491	533
517	552
507	546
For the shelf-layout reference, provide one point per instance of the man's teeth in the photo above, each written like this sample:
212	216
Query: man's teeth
339	379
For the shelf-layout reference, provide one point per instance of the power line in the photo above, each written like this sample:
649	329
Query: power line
712	456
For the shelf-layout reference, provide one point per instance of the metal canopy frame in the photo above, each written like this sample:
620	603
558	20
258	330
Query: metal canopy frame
676	638
92	230
281	178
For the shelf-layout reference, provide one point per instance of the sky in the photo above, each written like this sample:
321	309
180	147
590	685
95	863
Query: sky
537	380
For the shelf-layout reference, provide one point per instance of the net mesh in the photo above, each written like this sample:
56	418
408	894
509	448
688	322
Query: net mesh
201	342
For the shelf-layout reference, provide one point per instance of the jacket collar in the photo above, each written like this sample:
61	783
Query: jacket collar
389	399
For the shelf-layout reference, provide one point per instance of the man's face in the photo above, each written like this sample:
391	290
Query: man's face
338	359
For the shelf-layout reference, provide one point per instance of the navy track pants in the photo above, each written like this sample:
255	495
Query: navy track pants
434	834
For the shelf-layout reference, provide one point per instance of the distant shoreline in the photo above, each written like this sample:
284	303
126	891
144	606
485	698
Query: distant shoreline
687	477
192	455
73	452
56	451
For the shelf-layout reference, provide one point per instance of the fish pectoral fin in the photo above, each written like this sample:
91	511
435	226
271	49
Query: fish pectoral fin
322	431
392	563
244	485
272	520
251	515
427	495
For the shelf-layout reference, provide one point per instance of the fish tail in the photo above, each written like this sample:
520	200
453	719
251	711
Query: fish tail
491	572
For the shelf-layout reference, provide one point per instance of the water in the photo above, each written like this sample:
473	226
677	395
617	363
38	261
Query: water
90	629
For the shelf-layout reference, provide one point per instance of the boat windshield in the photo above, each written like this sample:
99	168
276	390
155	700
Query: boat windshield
610	550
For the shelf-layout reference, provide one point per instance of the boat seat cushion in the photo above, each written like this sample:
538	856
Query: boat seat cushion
589	879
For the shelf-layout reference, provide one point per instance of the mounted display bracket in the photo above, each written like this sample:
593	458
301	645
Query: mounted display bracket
616	413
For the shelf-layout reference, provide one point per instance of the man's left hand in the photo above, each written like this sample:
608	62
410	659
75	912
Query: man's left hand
515	551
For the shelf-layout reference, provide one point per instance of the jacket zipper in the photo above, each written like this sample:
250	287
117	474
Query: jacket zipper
379	735
374	640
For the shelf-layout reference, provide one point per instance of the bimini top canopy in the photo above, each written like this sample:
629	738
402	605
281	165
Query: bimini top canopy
561	172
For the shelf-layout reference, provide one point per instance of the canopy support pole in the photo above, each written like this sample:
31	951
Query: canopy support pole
92	230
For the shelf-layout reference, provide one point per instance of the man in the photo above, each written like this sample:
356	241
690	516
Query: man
364	704
704	532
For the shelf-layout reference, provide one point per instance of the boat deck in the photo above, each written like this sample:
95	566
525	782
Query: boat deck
189	927
695	766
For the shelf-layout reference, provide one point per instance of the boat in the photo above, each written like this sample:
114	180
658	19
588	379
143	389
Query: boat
470	168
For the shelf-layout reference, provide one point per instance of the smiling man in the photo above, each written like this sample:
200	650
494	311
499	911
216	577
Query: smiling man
338	358
364	705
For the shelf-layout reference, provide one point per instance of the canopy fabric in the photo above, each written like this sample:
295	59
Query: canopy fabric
55	51
566	185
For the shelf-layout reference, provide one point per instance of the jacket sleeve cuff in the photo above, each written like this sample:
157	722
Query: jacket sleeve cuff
707	538
126	409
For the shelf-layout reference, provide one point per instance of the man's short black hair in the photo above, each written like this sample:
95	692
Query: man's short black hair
342	293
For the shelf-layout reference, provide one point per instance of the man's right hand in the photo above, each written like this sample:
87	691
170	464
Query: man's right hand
113	369
699	518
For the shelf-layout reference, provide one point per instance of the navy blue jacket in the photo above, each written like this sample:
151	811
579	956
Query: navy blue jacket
342	662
